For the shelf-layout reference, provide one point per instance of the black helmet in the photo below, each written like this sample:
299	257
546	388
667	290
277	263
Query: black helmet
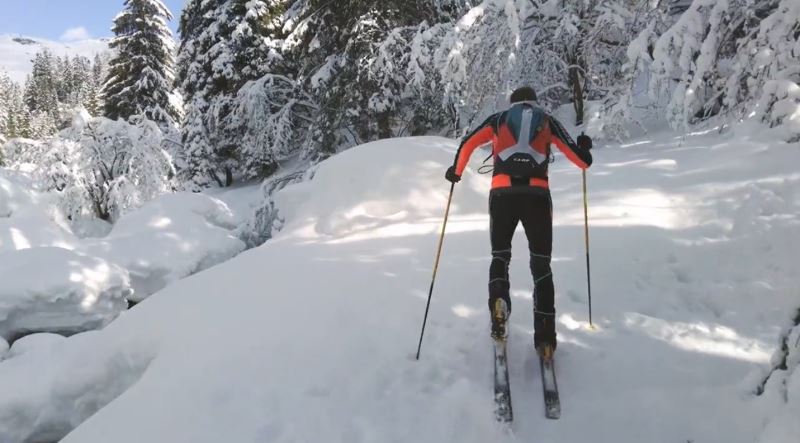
523	94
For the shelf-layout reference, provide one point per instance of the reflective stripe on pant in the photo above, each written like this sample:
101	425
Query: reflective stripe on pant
535	211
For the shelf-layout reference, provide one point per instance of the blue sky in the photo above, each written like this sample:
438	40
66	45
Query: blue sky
66	19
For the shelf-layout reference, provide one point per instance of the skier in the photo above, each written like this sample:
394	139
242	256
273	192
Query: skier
521	137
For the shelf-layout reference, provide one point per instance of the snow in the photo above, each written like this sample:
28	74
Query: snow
170	238
16	52
43	341
72	276
57	290
311	336
25	220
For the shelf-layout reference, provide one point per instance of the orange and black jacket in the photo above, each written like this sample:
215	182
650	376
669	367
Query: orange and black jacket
505	131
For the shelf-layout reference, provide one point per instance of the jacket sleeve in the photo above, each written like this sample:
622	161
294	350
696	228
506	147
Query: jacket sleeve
480	136
582	158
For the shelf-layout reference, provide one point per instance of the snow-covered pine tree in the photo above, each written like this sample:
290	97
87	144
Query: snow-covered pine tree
731	55
766	68
253	30
333	46
141	73
199	161
13	114
685	59
223	46
622	100
63	75
5	106
5	109
677	7
41	96
80	81
93	102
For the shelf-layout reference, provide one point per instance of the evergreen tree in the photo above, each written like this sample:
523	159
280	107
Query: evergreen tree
41	96
5	109
13	114
363	42
223	46
93	102
140	77
80	81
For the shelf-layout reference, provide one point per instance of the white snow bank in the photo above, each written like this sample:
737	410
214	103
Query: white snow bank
57	290
26	220
35	342
13	196
52	387
169	238
166	239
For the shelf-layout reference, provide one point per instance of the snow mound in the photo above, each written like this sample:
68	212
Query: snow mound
169	238
57	290
70	380
13	196
25	219
43	341
166	239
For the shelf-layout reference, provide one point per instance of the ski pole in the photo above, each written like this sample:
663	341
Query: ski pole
435	267
586	239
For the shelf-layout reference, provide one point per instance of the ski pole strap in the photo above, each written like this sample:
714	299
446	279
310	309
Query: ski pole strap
485	169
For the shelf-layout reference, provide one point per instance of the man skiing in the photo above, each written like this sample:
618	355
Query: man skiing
521	137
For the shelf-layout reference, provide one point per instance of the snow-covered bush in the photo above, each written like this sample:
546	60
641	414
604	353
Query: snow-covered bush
99	166
732	59
271	116
767	70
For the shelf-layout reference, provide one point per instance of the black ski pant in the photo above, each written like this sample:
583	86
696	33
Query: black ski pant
535	211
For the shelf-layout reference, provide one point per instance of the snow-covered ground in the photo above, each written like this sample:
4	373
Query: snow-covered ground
67	277
311	337
17	52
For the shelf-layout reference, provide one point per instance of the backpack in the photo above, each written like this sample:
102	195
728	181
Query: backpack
525	121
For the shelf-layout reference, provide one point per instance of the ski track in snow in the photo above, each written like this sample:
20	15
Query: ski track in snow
312	336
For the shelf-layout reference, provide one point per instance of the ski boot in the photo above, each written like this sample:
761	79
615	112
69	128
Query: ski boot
545	351
499	312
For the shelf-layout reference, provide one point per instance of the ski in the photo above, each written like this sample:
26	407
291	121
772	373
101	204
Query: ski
552	403
502	387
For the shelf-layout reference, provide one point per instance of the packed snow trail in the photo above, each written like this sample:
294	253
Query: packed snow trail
312	336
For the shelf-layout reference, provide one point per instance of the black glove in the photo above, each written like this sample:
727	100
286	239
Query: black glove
451	175
584	142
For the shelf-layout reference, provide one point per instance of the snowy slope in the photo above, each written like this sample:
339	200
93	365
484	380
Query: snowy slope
310	338
16	52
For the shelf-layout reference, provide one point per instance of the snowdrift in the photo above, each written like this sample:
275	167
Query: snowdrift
311	337
52	280
57	290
